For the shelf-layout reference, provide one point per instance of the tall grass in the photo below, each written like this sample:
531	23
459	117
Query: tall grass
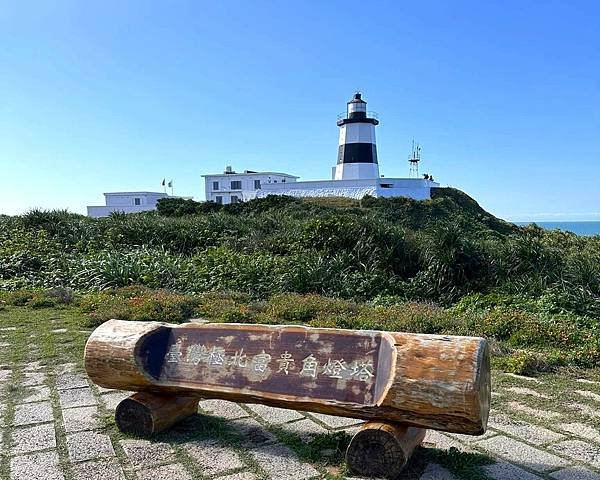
440	251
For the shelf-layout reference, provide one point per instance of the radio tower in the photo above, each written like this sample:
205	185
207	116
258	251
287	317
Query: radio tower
413	159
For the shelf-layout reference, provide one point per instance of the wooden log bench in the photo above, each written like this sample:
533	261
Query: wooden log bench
401	383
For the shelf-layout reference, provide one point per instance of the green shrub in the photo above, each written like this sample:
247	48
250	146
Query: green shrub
138	303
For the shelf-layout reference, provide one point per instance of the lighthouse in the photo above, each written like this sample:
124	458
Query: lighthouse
357	151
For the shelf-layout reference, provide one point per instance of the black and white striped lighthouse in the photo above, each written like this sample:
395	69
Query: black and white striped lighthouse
357	151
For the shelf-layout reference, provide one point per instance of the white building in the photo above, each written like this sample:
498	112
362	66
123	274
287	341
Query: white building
233	187
126	202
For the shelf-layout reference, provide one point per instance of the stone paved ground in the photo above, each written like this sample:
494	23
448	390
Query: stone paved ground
57	425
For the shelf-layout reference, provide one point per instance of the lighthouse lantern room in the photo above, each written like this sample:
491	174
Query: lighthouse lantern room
357	151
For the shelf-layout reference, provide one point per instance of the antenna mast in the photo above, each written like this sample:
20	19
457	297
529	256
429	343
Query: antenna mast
413	159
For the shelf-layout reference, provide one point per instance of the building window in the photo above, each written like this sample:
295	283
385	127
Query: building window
215	185
236	185
274	181
137	201
234	199
283	180
256	184
219	199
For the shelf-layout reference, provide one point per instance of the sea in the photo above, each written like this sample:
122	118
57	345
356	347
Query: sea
579	228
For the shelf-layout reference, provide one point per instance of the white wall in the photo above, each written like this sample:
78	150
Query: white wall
105	211
248	190
125	202
126	199
415	188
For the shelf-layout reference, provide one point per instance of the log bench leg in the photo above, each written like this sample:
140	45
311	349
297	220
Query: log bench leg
382	449
145	414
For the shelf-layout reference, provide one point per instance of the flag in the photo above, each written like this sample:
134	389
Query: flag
163	182
170	184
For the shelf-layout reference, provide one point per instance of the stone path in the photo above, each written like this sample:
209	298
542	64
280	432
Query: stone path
57	426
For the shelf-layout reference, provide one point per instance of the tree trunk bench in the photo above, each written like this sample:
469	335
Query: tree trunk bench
402	383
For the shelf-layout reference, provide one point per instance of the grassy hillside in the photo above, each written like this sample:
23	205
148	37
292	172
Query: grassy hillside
446	252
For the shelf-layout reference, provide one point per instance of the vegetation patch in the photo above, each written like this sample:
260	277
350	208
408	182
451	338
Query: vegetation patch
441	266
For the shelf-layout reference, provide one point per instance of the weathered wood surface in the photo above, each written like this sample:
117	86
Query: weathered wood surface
381	449
146	413
438	382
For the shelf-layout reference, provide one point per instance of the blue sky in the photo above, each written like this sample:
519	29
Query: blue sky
100	96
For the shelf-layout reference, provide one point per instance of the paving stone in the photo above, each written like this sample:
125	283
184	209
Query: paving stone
253	432
585	409
443	442
575	473
213	457
507	471
223	408
68	380
84	446
8	329
582	451
66	367
275	416
473	438
37	394
59	330
305	429
80	418
102	390
32	439
526	391
101	470
111	400
31	379
433	471
5	375
336	422
522	454
33	366
280	463
581	430
31	413
167	472
534	412
36	467
524	430
523	377
240	476
589	382
77	397
588	394
144	453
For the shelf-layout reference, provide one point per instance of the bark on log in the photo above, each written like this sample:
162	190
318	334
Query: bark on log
429	381
381	449
145	414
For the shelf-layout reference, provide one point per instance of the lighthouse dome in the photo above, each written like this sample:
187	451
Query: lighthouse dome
357	98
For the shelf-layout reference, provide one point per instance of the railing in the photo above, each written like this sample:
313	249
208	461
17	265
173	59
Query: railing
345	115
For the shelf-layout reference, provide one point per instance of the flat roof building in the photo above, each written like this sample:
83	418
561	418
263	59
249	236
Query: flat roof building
126	202
232	187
